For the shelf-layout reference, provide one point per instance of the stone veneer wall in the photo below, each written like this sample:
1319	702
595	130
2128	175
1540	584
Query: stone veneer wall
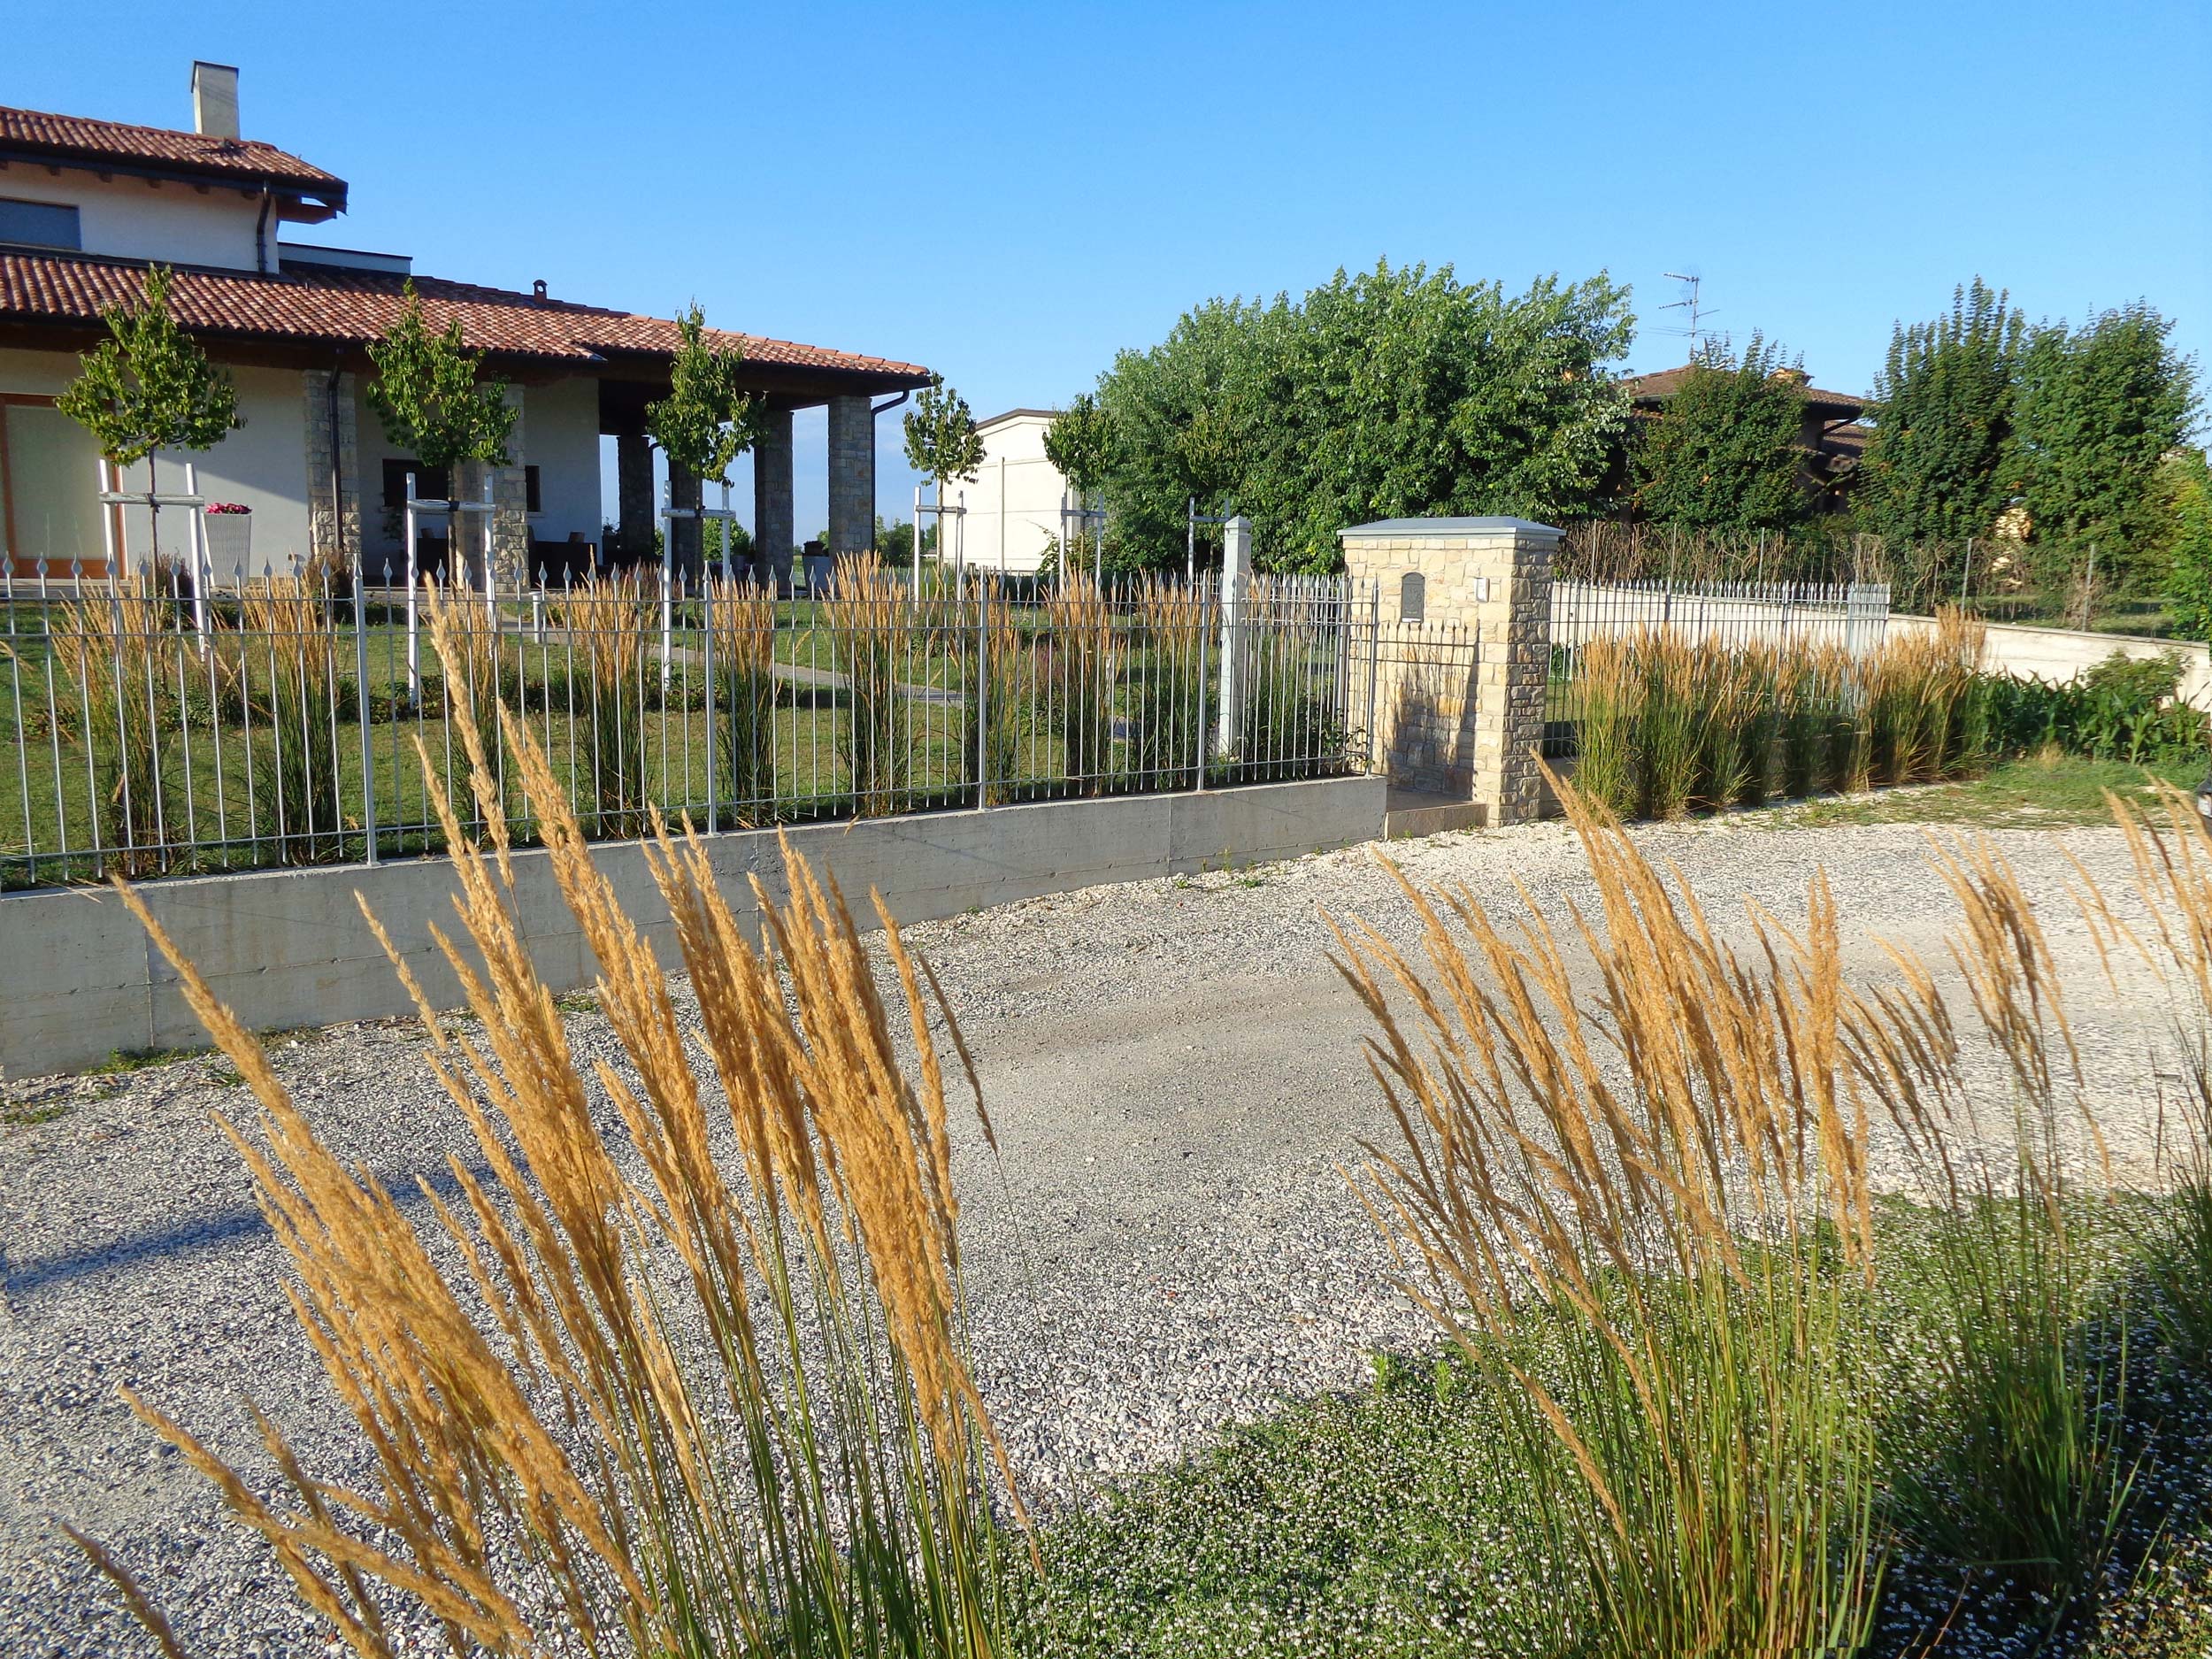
774	531
1473	732
334	529
852	467
510	502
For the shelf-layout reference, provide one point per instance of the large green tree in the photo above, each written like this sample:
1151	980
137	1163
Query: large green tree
1943	422
148	386
1393	391
2186	482
2099	408
707	420
433	401
1724	452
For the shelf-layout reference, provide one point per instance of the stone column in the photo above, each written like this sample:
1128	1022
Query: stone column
633	496
509	525
1236	581
334	458
852	469
773	529
686	561
1467	722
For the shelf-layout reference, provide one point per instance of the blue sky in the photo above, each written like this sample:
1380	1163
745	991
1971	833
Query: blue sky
1011	194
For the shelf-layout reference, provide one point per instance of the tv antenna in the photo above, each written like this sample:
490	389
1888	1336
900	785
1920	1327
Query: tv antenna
1694	332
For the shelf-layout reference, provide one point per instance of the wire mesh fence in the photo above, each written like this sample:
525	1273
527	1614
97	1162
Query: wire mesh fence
286	718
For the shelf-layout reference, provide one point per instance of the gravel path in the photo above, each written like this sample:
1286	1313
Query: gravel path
1176	1076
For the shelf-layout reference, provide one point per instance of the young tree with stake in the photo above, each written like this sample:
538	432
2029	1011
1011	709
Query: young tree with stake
432	401
1079	445
150	386
942	444
702	426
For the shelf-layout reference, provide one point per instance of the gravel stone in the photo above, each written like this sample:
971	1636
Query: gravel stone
1178	1082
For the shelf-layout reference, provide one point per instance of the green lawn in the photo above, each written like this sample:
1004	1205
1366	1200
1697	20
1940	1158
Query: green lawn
2048	791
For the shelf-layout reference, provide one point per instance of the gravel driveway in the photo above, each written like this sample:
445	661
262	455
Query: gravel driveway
1176	1076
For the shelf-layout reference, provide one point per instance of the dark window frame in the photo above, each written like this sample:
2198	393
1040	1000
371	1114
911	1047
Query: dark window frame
74	245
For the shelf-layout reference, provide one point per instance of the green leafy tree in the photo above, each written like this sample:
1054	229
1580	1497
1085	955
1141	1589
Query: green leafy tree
1080	444
1724	453
431	400
2187	481
1393	391
148	386
1943	422
2099	407
707	420
942	441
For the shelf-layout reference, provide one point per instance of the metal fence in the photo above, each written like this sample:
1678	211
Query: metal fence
1851	615
146	729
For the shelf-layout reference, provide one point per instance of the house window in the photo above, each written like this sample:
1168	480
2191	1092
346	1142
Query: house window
530	491
1413	597
50	473
430	483
40	224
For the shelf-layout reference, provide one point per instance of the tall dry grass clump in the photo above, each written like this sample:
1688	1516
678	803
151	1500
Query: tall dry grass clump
289	669
1916	688
2009	1456
741	619
1648	1224
1167	688
873	625
471	649
1005	690
1607	764
114	652
610	624
2170	845
1079	700
683	1372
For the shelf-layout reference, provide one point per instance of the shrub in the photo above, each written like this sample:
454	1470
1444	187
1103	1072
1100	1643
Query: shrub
623	1398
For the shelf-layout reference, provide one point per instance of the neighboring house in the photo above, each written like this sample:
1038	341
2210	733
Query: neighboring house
1829	432
87	205
1013	503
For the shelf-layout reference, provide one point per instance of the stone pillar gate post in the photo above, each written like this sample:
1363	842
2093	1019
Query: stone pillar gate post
772	507
1473	727
1236	581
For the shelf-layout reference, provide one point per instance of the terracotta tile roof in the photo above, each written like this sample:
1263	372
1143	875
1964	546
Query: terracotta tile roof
77	138
352	308
1665	382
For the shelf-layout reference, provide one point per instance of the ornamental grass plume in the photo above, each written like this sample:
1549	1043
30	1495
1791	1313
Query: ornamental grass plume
2010	1457
610	624
1085	678
1648	1224
111	652
873	624
1175	623
681	1373
288	673
741	619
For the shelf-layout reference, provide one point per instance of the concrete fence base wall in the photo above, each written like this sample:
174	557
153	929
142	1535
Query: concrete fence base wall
78	979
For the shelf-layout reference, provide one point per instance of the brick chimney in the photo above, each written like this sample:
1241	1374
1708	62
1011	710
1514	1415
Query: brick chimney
215	101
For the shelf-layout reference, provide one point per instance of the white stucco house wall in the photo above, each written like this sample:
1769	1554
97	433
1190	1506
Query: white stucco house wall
86	206
1013	503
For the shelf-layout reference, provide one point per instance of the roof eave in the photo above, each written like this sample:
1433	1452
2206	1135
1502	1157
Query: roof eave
329	197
